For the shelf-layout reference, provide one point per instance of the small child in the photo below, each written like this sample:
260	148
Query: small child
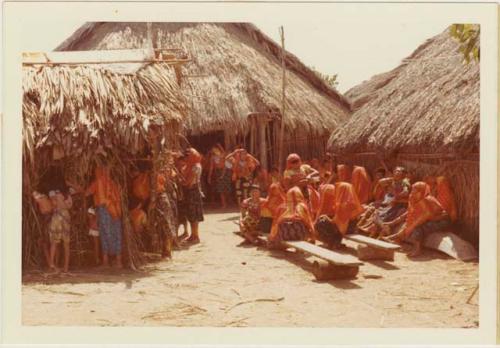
60	226
251	213
94	233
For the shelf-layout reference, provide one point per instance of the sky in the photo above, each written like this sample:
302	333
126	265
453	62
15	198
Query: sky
337	46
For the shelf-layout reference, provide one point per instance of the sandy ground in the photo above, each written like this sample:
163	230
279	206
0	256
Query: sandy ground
217	283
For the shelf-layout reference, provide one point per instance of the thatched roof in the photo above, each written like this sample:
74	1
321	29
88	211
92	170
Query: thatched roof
428	104
235	70
82	107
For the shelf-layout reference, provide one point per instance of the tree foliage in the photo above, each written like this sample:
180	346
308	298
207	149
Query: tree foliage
330	80
468	36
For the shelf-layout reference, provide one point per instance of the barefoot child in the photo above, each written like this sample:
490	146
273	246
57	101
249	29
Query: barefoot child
251	214
94	233
60	226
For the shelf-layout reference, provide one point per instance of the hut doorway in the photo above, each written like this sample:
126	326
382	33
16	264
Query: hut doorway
204	142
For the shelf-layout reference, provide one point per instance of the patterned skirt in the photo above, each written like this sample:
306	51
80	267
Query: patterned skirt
194	204
292	230
420	233
250	224
223	183
327	231
167	216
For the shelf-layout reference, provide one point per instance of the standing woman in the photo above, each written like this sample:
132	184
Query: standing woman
219	174
244	165
193	195
107	200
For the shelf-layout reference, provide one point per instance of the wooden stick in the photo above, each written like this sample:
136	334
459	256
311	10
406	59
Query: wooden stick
167	61
282	131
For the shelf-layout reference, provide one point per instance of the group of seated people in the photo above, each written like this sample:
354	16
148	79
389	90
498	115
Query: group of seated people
307	205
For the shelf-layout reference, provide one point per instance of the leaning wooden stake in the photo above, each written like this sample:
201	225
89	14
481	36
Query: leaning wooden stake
282	131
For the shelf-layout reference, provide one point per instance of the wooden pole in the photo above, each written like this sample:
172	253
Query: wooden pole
282	131
262	141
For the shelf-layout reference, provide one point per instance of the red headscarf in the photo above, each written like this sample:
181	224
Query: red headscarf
446	197
295	209
421	202
347	206
343	173
362	184
326	200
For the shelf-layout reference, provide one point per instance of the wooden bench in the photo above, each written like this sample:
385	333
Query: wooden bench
373	249
333	265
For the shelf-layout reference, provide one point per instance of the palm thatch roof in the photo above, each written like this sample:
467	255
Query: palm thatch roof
427	105
235	71
83	107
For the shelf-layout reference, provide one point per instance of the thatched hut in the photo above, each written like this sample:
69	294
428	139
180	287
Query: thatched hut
233	84
75	112
423	114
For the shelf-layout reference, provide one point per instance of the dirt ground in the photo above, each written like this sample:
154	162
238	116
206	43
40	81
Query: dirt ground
217	283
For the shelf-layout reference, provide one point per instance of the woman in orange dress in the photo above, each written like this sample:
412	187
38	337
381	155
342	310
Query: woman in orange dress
441	189
425	215
347	208
243	165
362	184
343	173
107	200
296	222
325	227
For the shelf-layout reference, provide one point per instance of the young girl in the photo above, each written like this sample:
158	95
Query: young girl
251	214
60	226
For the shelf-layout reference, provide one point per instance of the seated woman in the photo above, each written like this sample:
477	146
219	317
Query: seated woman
324	225
251	214
396	199
425	215
295	223
362	184
272	207
343	173
441	189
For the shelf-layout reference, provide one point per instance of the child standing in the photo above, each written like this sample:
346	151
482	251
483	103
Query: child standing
60	226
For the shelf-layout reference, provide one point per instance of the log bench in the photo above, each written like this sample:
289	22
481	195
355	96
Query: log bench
373	249
332	265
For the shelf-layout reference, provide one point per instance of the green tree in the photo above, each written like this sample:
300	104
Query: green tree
468	36
330	80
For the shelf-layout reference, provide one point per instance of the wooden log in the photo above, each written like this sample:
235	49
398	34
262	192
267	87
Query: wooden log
324	270
366	252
